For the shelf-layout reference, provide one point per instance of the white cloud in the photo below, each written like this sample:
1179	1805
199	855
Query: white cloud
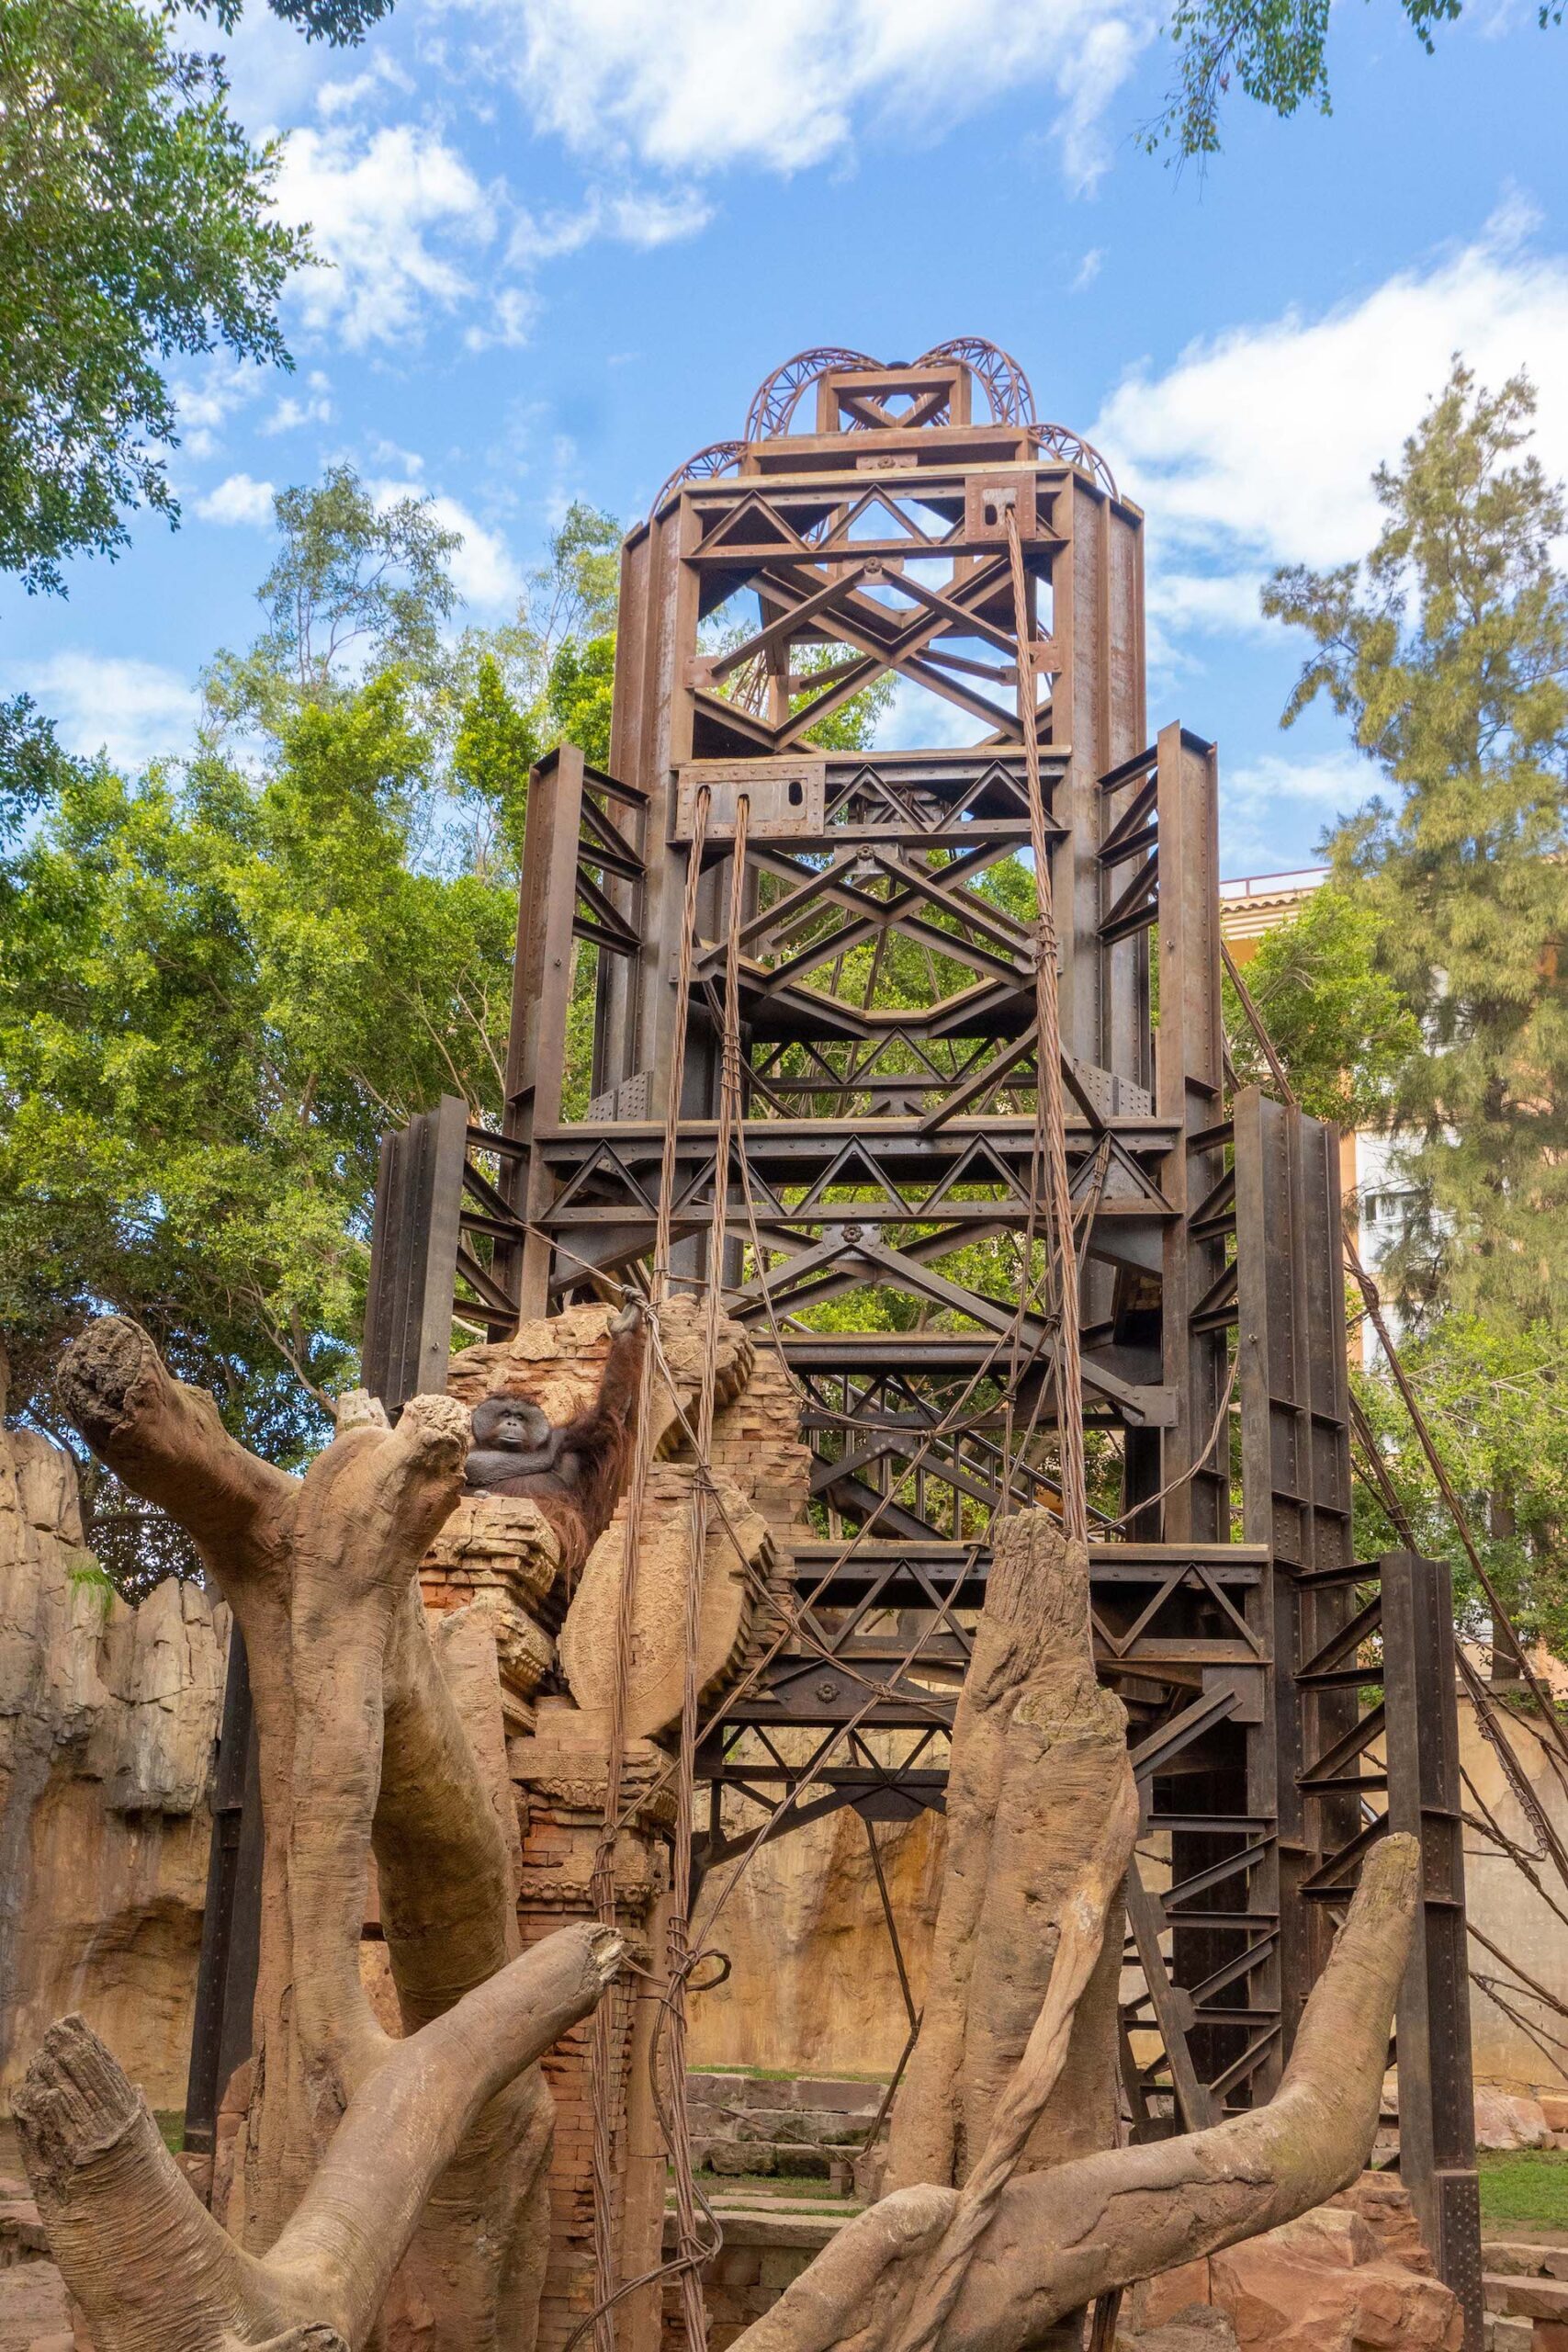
133	710
484	572
1275	798
310	406
1259	445
639	217
1089	269
207	400
698	84
399	217
238	499
345	97
508	320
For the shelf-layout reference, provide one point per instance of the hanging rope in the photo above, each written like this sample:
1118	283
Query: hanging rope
1558	1749
1048	1061
692	2250
602	2074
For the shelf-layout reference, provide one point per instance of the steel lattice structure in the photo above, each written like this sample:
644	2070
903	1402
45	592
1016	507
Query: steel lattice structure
1287	1699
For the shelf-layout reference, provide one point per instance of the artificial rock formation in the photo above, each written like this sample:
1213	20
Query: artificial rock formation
107	1717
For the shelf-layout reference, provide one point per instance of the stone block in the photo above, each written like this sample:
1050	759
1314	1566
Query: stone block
1548	2335
802	2164
1197	2327
1159	2299
780	2269
1554	2107
1508	2335
1512	2258
759	2090
1525	2298
729	2158
847	2097
33	2303
1504	2119
715	2090
1306	2288
781	2126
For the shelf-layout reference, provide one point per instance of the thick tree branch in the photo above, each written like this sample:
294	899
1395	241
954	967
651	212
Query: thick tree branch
154	2271
167	1444
443	1869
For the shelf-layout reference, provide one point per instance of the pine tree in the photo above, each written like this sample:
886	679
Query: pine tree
1446	649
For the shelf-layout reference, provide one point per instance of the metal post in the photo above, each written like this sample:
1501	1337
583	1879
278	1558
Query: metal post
541	988
230	1927
414	1259
1437	2118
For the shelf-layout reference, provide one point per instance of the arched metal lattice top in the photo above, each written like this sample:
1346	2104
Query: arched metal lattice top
1007	385
1060	441
718	458
777	398
1007	394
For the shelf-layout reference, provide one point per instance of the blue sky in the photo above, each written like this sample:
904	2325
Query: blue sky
570	236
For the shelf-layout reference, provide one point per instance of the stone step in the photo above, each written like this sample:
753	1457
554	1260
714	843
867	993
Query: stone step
1523	2257
731	2158
1516	2295
836	2094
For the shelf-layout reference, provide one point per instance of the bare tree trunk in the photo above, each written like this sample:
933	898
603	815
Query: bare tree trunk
347	2134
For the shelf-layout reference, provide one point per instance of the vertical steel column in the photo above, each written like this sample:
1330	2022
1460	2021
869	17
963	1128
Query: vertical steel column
1295	1477
541	990
1189	1078
1436	2116
413	1255
230	1924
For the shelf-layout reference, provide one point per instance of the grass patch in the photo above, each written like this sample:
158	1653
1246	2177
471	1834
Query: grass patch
173	2128
1526	2187
752	2184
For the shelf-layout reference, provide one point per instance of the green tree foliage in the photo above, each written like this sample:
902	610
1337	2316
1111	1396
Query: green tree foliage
1497	1402
32	765
495	746
1447	650
340	23
134	225
579	695
356	582
1276	50
217	992
1339	1025
226	978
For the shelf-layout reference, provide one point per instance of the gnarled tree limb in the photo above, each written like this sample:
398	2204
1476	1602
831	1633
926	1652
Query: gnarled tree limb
1060	2238
154	2271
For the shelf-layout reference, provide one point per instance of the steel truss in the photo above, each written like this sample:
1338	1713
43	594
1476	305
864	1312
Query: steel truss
888	1171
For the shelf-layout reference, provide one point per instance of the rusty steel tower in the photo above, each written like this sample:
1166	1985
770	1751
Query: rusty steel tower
1287	1701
